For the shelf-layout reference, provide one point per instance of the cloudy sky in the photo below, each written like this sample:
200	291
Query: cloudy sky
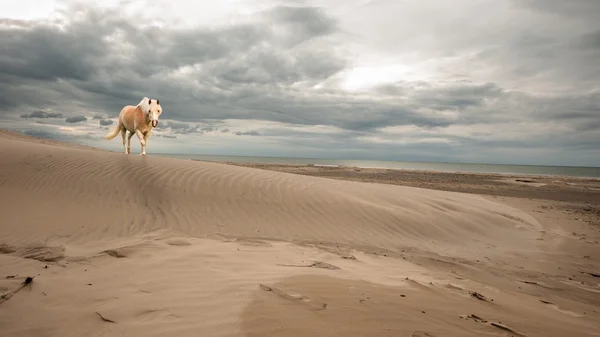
512	81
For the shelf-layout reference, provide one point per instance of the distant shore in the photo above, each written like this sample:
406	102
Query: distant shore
558	188
449	167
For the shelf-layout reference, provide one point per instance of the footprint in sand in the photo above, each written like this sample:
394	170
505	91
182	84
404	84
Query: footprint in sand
178	243
316	264
421	334
154	315
130	250
295	298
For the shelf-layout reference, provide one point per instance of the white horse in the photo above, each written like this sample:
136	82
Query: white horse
139	120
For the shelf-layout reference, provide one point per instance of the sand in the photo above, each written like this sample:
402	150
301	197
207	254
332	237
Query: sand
125	245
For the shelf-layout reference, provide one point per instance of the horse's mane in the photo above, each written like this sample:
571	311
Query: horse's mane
143	104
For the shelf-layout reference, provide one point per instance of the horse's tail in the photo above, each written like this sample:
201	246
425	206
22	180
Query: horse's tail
114	132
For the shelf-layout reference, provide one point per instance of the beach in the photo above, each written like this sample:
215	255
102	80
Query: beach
544	187
127	245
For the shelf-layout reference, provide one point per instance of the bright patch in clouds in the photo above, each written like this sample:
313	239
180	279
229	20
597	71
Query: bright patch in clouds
367	77
28	9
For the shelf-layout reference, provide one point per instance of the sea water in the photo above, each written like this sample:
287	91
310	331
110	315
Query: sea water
573	171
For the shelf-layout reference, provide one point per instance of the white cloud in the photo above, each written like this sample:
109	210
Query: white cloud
28	9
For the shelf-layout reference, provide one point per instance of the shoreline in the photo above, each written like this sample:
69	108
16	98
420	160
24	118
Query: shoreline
559	188
305	162
335	166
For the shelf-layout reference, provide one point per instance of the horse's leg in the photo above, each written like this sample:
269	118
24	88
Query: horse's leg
129	141
123	132
142	141
146	136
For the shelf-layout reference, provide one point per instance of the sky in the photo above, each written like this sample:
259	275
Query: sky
513	82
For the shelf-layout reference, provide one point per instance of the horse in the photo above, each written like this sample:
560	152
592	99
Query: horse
139	120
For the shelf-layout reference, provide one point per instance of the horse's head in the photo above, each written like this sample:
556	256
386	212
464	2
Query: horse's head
152	109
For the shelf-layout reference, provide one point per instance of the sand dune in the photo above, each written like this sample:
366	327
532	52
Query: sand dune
85	196
151	246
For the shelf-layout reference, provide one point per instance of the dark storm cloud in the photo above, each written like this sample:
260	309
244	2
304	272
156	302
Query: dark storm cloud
180	127
235	59
247	133
575	8
245	71
189	128
457	95
76	119
175	125
46	53
270	66
591	40
42	114
302	23
167	136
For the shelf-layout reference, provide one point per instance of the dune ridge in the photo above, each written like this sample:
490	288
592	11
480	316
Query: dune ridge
109	194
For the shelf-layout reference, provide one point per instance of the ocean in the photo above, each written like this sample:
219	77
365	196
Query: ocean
573	171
